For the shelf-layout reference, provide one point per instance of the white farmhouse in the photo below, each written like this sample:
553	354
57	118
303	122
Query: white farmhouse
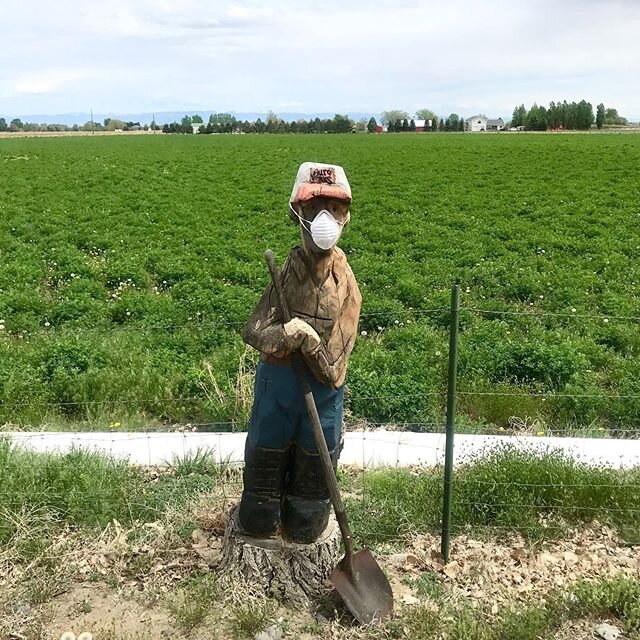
482	123
477	123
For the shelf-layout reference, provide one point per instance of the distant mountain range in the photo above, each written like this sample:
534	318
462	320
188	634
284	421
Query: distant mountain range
163	117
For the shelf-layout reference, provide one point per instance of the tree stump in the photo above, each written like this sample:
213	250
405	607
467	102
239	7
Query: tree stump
293	573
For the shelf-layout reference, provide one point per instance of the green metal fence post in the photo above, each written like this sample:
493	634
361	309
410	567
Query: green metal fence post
451	419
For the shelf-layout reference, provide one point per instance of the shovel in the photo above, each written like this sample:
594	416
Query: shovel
358	578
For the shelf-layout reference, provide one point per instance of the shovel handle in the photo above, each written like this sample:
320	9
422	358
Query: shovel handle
321	444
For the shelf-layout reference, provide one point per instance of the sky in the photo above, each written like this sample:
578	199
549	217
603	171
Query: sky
338	56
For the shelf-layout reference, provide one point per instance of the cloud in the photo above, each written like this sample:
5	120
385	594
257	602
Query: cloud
44	82
336	55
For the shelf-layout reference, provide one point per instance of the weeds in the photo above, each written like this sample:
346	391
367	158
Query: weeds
456	620
195	599
535	493
251	618
42	493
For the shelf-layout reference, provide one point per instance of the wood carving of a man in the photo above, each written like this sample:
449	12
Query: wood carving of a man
284	489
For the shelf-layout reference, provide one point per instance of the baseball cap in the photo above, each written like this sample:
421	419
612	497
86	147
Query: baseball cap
317	180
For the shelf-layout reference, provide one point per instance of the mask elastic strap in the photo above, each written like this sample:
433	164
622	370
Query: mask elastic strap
303	222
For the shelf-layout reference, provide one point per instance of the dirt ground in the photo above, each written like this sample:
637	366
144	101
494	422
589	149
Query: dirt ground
121	585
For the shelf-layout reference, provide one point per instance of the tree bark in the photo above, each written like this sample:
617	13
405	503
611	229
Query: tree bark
293	573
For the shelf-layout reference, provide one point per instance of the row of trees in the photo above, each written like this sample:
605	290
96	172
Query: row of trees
226	123
396	120
109	124
453	123
565	115
561	115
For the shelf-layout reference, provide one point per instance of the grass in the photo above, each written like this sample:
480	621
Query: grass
536	494
249	619
454	618
111	245
47	494
195	599
42	493
616	597
506	490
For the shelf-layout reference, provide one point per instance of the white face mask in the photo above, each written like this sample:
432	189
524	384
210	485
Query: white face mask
325	230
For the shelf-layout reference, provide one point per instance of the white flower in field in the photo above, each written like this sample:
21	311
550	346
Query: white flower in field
73	275
85	635
47	324
467	290
541	297
363	334
68	635
606	319
438	353
379	328
573	309
396	322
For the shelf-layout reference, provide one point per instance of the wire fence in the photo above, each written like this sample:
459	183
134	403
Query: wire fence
483	400
505	474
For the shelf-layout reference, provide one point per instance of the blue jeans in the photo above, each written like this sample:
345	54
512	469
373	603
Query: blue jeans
279	417
284	486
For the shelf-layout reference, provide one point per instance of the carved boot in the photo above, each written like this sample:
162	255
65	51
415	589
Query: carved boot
306	507
264	472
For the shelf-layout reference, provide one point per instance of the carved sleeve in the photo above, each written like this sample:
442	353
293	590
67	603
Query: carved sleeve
264	330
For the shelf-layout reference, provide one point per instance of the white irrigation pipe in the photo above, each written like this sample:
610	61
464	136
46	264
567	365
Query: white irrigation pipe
361	448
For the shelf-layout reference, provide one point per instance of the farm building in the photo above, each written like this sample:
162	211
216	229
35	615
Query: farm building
420	124
482	123
495	124
476	123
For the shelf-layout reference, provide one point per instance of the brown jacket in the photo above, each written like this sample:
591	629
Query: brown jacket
323	293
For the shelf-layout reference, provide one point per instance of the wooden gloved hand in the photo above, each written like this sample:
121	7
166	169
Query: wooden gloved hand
301	335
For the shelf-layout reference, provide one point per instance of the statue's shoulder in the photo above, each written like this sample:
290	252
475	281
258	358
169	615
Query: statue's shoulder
339	254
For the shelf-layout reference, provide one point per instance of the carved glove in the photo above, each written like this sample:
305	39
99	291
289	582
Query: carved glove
301	335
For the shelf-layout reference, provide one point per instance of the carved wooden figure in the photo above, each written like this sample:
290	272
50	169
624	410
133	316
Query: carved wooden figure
284	489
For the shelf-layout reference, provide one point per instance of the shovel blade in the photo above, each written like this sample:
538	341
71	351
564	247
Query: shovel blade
366	591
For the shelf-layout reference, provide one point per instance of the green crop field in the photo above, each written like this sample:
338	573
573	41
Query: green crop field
110	246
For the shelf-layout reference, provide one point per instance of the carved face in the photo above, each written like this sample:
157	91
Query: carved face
310	209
